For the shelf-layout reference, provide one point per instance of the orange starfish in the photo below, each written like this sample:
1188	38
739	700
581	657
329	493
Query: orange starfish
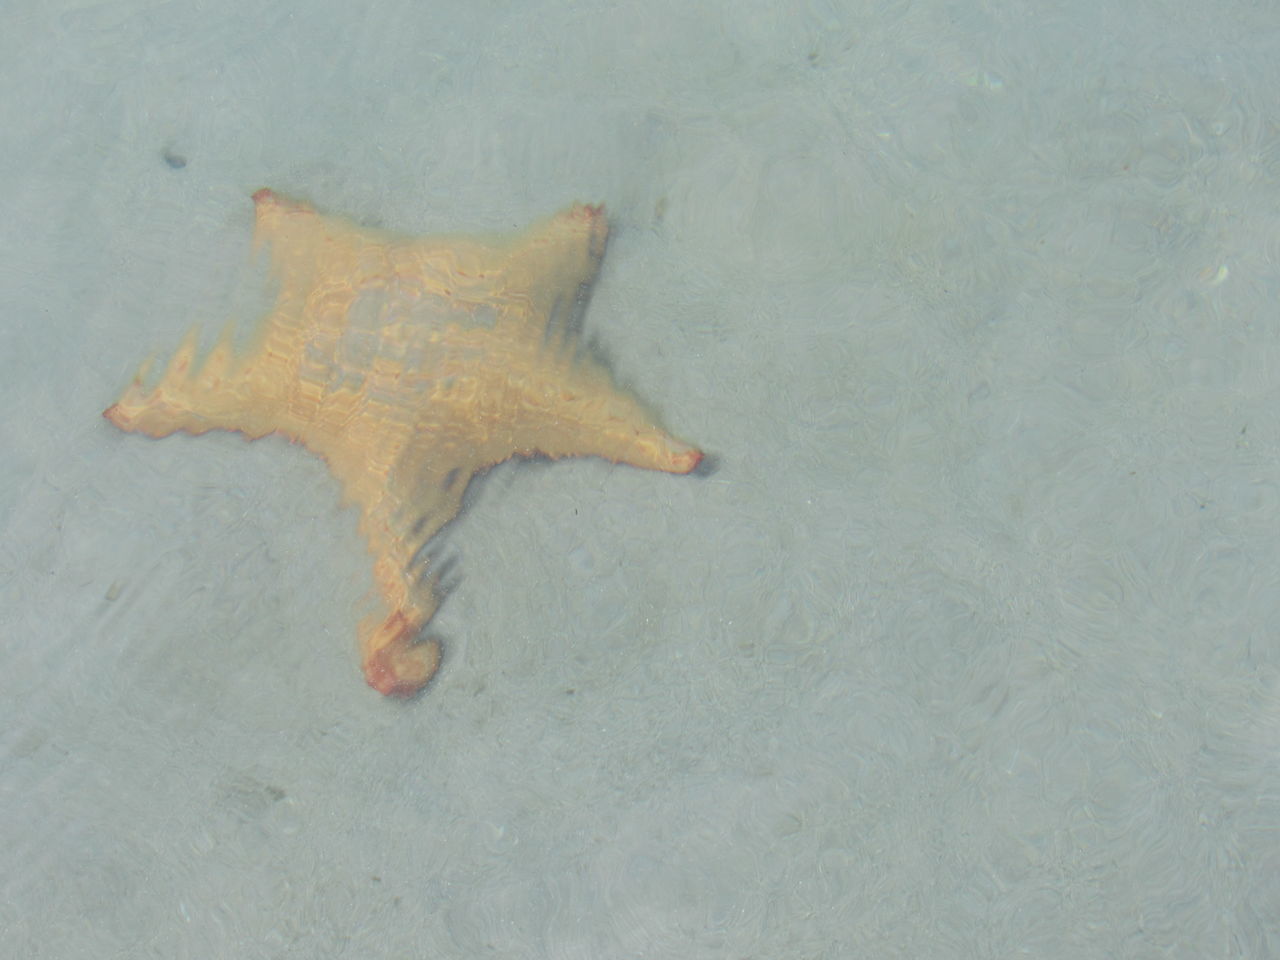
410	365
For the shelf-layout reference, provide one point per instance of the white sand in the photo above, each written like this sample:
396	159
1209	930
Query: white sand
967	650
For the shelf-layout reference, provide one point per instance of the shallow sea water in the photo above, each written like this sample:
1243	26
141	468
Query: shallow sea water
967	647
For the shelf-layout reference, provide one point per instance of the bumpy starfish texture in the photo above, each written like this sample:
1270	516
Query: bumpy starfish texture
409	365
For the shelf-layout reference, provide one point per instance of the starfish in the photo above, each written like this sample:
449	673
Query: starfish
410	365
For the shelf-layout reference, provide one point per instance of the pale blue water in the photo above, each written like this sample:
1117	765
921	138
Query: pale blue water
967	649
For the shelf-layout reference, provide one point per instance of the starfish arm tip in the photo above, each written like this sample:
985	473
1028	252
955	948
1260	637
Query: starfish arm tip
671	456
687	462
394	664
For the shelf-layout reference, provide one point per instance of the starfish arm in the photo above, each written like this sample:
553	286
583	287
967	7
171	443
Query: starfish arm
214	398
406	493
550	269
573	408
398	520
